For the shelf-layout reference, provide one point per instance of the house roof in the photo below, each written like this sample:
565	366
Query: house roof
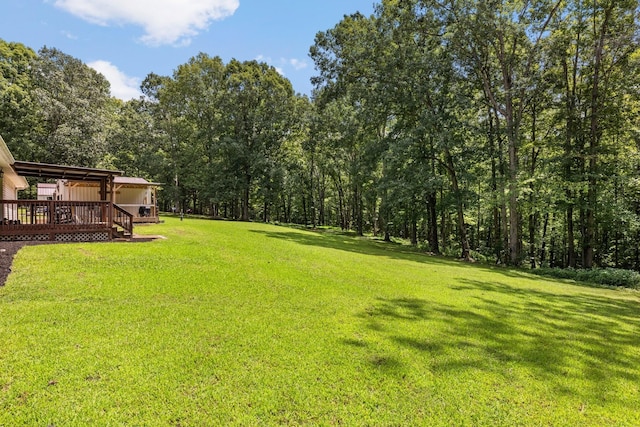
6	159
118	181
129	180
44	170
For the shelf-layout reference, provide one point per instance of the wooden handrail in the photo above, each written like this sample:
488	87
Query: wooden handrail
123	218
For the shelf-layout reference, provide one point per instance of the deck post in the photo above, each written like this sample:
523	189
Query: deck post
1	194
112	202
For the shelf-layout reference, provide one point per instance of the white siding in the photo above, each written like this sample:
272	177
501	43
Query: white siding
9	190
46	191
84	194
133	196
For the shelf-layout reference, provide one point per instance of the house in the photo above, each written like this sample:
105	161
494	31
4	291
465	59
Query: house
60	220
10	181
46	191
135	195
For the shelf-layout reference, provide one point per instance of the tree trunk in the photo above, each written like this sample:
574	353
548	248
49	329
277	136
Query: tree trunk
432	223
543	244
321	196
514	215
533	214
373	217
462	230
594	142
245	198
341	207
502	225
443	224
304	211
571	248
312	207
571	134
357	209
265	214
283	199
414	230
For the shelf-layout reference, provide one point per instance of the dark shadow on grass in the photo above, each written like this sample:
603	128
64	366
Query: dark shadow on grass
355	343
384	362
365	246
580	345
350	243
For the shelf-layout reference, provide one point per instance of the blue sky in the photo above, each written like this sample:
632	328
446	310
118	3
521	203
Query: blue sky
128	39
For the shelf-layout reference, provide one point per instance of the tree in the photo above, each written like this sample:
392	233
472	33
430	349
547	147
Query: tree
499	44
224	126
258	105
134	141
73	113
588	59
18	111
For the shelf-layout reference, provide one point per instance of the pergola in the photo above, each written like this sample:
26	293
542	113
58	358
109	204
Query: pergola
75	173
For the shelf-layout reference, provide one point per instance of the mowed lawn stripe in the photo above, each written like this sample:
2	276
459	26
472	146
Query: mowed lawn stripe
254	324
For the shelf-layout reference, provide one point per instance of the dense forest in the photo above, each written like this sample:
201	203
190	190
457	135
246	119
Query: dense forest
506	130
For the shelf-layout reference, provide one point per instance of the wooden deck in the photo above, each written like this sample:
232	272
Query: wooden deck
62	220
142	214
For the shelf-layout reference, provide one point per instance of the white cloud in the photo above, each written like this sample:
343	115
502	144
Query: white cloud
283	62
269	60
122	86
69	35
298	64
164	21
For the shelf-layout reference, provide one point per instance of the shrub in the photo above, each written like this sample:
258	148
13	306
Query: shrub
599	276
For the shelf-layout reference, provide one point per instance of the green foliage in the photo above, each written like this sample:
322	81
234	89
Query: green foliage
18	109
73	102
599	276
223	126
134	140
525	112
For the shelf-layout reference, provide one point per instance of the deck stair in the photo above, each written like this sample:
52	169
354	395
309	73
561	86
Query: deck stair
122	227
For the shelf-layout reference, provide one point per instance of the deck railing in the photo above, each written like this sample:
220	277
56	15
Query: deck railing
141	213
33	215
123	218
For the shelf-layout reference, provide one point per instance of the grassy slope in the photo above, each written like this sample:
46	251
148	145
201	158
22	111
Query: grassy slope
250	324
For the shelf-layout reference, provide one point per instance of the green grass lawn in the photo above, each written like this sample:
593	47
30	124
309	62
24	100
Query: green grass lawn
248	324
